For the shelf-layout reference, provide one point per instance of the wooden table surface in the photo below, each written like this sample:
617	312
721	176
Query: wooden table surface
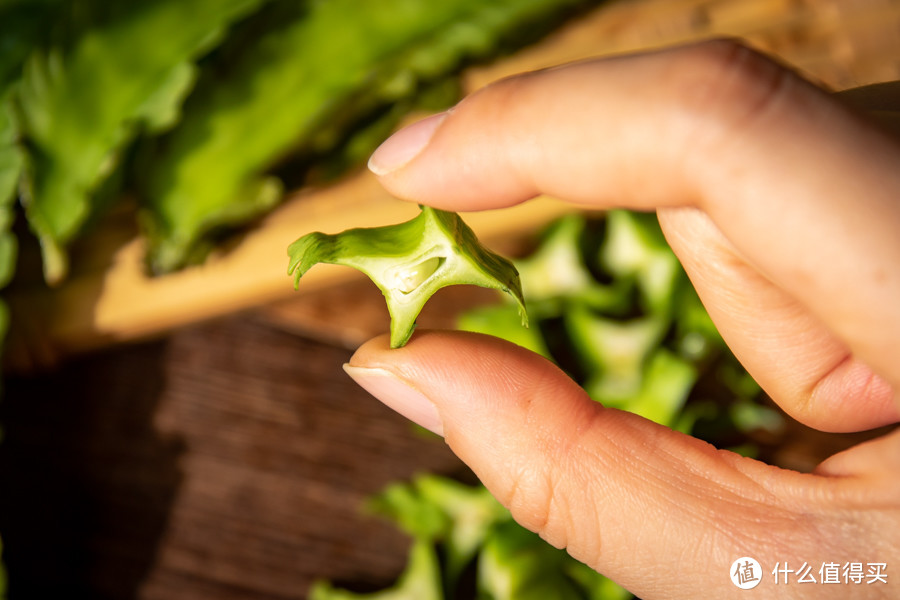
230	460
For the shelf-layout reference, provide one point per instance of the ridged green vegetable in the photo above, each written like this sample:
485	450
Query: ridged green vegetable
80	104
296	90
410	261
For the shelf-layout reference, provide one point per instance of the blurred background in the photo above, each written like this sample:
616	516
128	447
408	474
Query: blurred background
175	419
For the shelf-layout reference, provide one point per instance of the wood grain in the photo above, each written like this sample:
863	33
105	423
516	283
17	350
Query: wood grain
229	461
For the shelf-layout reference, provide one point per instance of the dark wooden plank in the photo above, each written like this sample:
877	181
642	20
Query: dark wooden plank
230	460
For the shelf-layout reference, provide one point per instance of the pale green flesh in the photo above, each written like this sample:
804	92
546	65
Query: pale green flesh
411	261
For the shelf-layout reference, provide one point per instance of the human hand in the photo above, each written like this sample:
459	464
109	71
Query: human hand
782	204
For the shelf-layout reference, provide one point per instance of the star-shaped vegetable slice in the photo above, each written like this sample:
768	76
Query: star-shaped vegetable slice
411	261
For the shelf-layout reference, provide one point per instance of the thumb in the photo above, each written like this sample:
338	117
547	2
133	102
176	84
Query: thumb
622	494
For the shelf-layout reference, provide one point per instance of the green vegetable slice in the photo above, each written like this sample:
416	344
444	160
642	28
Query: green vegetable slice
410	261
444	511
464	527
420	581
516	564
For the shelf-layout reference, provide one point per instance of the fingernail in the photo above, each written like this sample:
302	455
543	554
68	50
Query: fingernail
398	395
404	145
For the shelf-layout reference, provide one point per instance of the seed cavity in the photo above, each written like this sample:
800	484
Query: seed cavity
408	278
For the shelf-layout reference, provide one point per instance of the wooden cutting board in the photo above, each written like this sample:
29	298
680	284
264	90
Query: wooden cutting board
841	43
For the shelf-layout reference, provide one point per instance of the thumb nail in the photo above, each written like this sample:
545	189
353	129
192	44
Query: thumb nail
398	395
404	145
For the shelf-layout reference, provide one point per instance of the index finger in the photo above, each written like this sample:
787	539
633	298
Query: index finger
804	188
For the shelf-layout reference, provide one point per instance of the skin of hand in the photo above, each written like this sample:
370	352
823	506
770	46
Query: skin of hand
783	203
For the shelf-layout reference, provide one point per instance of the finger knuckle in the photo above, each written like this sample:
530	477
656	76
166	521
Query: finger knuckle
724	87
551	493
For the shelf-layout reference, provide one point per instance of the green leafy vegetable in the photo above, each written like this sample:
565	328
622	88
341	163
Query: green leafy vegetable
329	67
410	261
79	105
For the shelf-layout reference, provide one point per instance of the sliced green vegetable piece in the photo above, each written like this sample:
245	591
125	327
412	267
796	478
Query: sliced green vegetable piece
558	273
440	514
471	513
636	248
79	106
617	350
465	526
411	261
516	564
420	581
662	387
444	511
503	321
403	505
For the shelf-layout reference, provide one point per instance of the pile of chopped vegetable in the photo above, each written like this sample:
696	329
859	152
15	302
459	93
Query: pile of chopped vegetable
458	528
